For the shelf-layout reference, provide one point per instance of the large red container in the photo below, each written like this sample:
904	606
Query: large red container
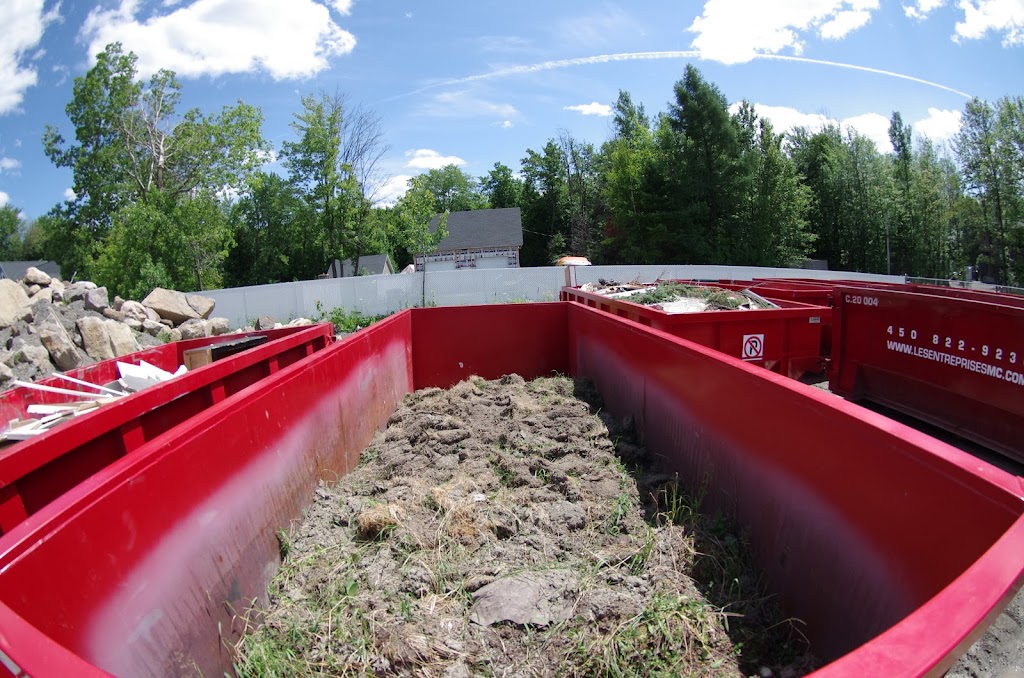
895	549
955	362
786	340
34	472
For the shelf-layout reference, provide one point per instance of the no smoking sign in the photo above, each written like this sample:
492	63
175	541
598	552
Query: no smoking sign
753	347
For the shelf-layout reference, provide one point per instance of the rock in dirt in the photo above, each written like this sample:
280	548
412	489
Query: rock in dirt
534	598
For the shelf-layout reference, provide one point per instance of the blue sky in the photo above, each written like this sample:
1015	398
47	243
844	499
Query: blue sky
474	83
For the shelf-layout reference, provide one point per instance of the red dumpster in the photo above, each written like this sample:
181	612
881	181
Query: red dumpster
786	340
895	549
34	472
955	362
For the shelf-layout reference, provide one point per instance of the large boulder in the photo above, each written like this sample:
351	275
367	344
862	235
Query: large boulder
194	329
76	291
122	339
218	326
133	309
57	341
153	328
58	289
33	276
95	338
170	305
97	299
45	294
201	305
13	301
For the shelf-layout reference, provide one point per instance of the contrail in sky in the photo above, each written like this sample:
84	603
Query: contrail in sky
650	56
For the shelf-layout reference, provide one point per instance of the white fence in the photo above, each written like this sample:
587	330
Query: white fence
382	294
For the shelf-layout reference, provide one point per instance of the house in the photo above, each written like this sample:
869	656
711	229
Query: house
477	239
15	270
370	264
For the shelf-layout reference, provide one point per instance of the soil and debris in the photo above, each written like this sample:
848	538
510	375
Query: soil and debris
513	528
675	297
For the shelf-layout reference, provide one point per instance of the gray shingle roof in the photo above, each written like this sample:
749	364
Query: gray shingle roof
15	270
482	229
375	264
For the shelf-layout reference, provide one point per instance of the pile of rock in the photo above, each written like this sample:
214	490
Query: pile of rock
47	325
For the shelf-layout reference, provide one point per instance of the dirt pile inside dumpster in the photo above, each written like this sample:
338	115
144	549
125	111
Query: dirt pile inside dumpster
512	528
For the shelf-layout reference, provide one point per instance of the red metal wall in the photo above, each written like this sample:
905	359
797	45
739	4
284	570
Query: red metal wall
858	521
956	362
862	525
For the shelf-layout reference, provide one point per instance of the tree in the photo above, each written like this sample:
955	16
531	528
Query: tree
501	187
98	161
452	189
10	226
776	203
707	186
134	148
414	213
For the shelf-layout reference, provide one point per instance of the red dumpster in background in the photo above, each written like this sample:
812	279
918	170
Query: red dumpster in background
36	471
895	550
786	340
953	361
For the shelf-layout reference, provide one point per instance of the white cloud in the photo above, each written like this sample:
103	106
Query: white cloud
427	159
784	119
874	126
23	24
920	9
506	124
70	195
342	6
604	27
940	125
4	199
214	37
1001	16
393	189
843	23
735	31
8	164
463	105
593	108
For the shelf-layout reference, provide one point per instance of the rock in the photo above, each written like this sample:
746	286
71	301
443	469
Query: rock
38	357
97	299
170	305
58	289
33	289
12	302
535	598
152	327
33	276
118	302
194	329
173	335
5	373
110	313
59	345
133	309
95	339
201	305
265	323
122	339
44	295
133	324
218	326
76	291
299	322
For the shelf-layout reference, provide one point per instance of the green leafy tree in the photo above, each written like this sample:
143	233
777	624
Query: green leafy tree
10	226
708	189
452	189
501	187
413	215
